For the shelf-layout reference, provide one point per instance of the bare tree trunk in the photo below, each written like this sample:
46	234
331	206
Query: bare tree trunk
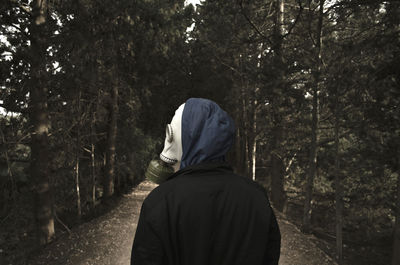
78	150
254	133
254	121
93	168
239	149
278	196
254	151
396	234
339	189
306	225
43	199
77	189
108	188
245	110
93	173
242	147
93	151
281	4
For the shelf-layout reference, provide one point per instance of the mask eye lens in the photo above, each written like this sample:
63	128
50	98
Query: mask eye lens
169	133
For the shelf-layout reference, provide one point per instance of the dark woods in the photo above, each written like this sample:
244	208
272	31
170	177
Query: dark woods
87	87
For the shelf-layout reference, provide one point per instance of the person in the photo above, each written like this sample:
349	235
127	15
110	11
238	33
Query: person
204	214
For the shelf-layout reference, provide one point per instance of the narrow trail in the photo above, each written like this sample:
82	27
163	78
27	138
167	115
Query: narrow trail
107	240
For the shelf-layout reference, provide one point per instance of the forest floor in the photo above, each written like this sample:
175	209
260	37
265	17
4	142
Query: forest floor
107	240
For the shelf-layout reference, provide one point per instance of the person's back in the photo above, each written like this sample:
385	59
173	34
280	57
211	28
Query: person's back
205	215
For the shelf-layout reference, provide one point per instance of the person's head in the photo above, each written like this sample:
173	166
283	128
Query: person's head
200	131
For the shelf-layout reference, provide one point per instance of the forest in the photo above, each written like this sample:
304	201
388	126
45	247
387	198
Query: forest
87	87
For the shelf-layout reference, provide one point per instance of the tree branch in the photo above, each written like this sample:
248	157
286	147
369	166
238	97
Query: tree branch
354	3
329	140
252	24
295	21
61	222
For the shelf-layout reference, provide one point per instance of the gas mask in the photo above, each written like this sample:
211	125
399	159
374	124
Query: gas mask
158	171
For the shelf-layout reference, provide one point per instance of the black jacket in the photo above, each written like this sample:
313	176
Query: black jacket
206	215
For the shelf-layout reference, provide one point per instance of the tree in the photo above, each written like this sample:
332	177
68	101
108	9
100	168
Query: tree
109	176
396	233
277	164
40	122
314	95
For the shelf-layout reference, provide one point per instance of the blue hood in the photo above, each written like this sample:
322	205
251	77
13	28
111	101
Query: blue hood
207	132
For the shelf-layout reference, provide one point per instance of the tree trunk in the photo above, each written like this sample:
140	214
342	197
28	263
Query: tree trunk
278	196
93	167
339	189
77	189
247	146
253	134
306	225
254	121
243	125
238	159
93	149
254	151
43	200
239	149
108	188
393	7
396	234
77	159
281	14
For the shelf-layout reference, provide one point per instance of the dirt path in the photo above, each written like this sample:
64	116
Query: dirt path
107	240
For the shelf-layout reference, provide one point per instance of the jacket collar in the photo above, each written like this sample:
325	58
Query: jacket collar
203	168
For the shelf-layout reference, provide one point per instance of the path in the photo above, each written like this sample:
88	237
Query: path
107	240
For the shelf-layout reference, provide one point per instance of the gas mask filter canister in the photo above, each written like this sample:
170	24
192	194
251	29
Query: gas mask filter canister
158	171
